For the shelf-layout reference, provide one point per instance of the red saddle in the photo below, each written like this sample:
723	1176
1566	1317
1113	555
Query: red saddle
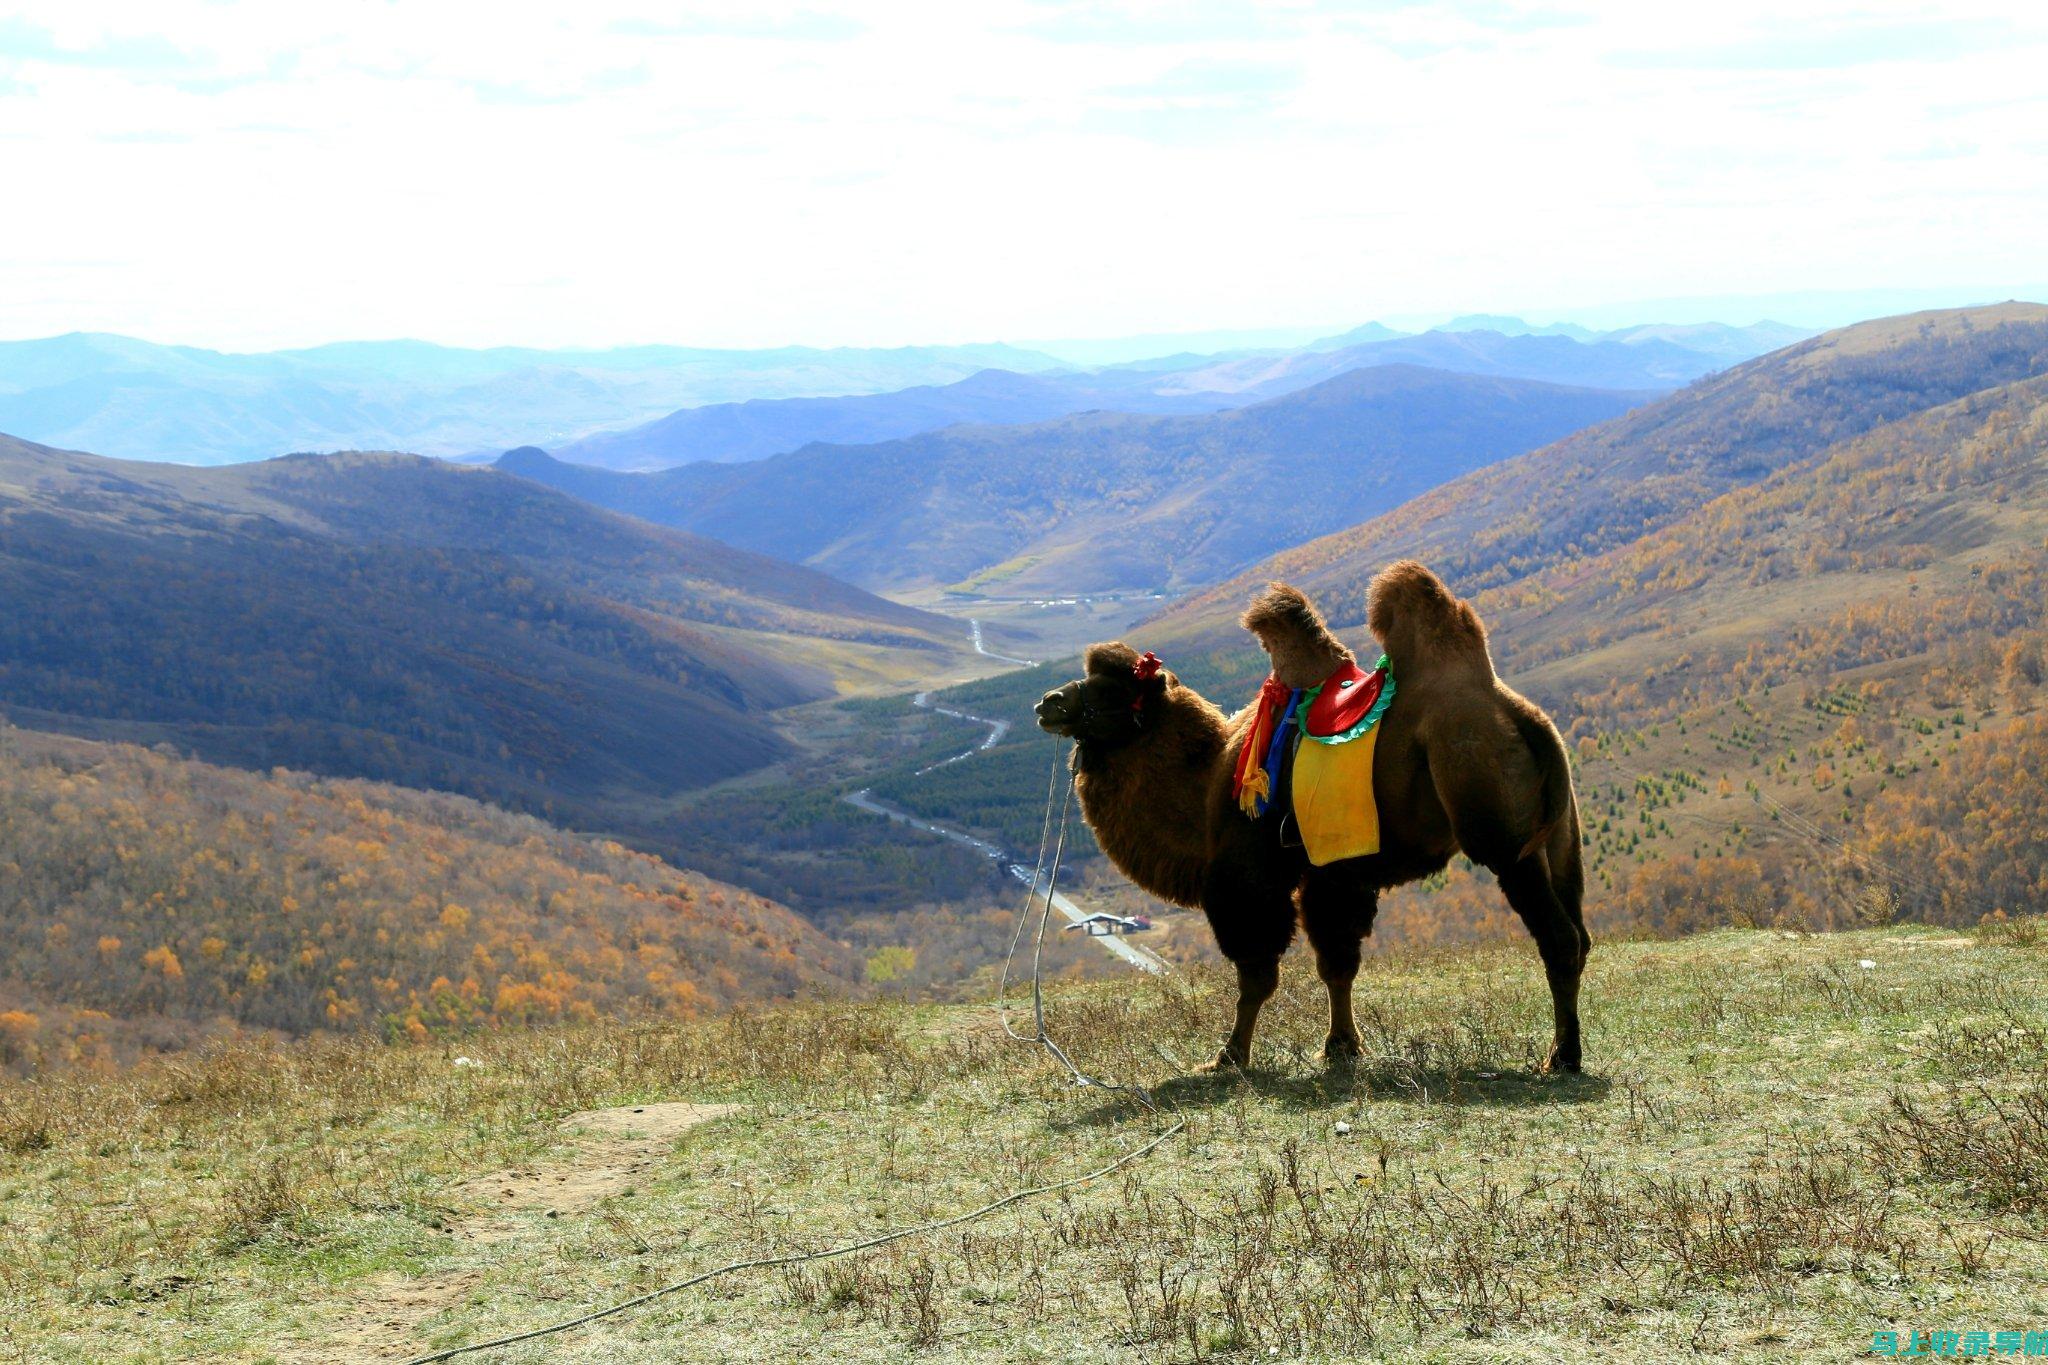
1346	696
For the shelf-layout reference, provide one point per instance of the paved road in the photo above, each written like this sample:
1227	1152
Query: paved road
1142	958
864	799
987	653
996	730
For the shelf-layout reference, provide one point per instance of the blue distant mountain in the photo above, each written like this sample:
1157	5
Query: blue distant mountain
1718	339
1603	363
1633	359
769	426
1515	327
1357	336
139	400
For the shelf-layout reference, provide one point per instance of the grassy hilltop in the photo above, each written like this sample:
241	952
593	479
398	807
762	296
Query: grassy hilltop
1779	1151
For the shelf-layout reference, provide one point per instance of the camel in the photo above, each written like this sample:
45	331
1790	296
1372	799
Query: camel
1462	764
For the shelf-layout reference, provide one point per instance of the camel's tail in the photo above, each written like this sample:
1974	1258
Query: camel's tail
1546	746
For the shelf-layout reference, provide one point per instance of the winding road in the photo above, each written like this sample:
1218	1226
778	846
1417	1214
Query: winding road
987	653
864	799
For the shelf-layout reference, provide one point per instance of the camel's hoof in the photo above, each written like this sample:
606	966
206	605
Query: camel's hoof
1226	1060
1342	1051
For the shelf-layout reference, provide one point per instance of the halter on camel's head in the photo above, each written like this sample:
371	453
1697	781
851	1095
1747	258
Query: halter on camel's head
1110	704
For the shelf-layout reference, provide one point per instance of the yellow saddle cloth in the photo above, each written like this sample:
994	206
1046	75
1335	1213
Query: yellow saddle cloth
1333	802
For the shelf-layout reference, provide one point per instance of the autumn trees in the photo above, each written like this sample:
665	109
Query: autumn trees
137	882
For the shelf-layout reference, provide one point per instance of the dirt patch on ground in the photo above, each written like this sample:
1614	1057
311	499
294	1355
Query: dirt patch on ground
613	1149
615	1146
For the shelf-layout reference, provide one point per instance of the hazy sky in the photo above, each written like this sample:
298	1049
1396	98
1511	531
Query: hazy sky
267	174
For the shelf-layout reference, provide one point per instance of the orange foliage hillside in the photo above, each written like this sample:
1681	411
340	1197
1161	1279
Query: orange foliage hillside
137	884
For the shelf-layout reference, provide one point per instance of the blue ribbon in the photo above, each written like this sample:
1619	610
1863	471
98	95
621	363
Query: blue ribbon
1273	750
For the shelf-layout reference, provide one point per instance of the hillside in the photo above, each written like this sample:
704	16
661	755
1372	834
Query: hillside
1102	501
401	619
1784	1145
150	900
144	401
1611	484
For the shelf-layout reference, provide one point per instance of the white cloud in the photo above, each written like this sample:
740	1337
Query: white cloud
248	175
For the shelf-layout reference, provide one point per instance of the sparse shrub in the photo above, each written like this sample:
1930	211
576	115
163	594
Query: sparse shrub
270	1199
1988	1142
2016	931
1876	906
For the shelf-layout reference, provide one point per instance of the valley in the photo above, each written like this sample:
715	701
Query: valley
1788	617
1039	876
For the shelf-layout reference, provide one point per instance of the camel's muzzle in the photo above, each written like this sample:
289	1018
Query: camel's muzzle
1053	712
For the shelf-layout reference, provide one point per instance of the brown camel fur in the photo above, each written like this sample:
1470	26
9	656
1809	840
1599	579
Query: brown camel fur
1462	764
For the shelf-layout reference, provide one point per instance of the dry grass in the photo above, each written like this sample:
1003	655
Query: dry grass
1778	1153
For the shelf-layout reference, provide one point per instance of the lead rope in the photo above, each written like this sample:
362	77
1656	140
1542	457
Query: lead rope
1002	1001
1038	1035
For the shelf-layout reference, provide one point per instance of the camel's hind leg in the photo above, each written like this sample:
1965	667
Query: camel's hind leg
1337	912
1562	941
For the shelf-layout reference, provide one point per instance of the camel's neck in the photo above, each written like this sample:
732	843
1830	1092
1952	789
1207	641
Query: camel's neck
1147	801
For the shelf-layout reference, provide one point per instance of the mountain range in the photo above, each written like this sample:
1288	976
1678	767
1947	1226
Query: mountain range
1597	362
641	407
1101	501
1639	358
139	400
761	427
394	617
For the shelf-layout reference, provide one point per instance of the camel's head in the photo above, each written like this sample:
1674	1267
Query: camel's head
1110	705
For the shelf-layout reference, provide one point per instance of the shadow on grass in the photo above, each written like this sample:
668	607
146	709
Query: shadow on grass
1364	1082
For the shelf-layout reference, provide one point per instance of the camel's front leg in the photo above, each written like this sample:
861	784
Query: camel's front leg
1248	896
1256	982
